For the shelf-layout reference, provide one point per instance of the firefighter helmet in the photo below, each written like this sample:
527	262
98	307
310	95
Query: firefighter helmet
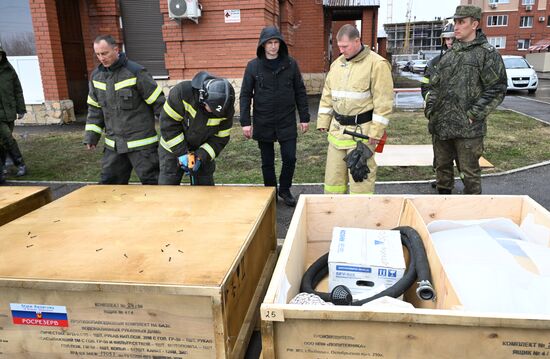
215	92
448	31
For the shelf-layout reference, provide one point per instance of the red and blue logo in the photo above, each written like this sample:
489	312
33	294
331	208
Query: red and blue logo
39	314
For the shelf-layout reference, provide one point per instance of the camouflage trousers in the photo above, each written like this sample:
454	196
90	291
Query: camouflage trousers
8	145
467	152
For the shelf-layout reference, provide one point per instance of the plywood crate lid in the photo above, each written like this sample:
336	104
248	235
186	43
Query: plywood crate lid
165	235
16	201
12	194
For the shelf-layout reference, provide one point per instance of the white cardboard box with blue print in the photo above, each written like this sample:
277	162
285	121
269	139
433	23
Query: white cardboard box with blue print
367	261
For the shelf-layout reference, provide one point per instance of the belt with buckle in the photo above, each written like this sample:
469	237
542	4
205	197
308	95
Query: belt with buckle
354	120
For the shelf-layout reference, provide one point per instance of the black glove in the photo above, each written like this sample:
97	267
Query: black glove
356	161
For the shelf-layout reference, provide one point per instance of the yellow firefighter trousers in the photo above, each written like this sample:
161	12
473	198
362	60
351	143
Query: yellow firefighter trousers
337	174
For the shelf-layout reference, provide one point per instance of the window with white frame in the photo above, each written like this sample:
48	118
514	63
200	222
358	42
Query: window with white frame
497	20
498	41
528	2
499	1
526	21
523	44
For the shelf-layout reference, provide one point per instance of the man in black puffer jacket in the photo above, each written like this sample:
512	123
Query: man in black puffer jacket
274	81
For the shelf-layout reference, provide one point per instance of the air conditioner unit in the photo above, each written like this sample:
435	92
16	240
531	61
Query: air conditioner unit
184	9
528	7
541	18
493	5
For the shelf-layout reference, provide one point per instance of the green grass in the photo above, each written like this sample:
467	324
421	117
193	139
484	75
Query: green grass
513	141
404	82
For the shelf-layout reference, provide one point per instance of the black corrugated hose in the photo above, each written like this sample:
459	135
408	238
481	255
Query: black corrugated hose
418	270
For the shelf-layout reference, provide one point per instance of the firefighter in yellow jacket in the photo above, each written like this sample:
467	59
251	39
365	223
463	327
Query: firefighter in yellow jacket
357	96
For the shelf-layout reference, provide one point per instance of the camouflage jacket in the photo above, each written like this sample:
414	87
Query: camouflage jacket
425	86
468	83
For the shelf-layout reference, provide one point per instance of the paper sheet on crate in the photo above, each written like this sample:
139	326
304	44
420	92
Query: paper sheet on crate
494	266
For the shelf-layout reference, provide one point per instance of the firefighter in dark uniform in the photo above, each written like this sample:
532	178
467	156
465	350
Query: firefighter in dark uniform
123	101
195	123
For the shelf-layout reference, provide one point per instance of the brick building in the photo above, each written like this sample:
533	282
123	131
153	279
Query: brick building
174	50
514	26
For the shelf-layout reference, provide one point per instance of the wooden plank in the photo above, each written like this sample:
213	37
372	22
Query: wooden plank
413	155
446	297
434	207
241	344
156	235
370	338
16	201
109	325
243	284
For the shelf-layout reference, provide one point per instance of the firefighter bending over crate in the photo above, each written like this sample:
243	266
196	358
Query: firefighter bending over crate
195	123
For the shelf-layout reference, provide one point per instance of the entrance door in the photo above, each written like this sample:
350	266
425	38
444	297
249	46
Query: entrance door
143	42
72	43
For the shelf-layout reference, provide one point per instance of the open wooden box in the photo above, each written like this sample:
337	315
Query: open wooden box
431	329
137	272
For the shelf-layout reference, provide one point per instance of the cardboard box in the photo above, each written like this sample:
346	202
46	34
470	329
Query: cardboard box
366	261
436	329
137	272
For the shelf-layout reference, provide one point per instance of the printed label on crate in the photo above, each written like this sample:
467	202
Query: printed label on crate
353	269
39	314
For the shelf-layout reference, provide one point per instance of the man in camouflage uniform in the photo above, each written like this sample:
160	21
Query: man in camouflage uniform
12	106
447	39
469	82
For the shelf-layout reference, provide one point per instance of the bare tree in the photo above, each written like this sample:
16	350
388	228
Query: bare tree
18	44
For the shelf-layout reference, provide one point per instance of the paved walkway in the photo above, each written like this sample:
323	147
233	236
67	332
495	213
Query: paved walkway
528	106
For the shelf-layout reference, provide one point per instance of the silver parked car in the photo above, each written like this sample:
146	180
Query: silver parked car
520	73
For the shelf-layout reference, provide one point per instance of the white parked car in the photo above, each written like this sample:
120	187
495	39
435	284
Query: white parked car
419	66
520	73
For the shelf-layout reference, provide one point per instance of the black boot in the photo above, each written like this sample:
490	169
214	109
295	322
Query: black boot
444	191
287	197
2	178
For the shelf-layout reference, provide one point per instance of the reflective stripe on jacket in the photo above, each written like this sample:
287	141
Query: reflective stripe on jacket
123	101
352	87
185	126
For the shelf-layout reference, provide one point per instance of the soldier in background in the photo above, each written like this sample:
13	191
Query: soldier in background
468	83
447	39
12	106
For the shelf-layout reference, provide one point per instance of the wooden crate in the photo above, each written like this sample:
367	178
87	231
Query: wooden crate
431	329
141	272
16	201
